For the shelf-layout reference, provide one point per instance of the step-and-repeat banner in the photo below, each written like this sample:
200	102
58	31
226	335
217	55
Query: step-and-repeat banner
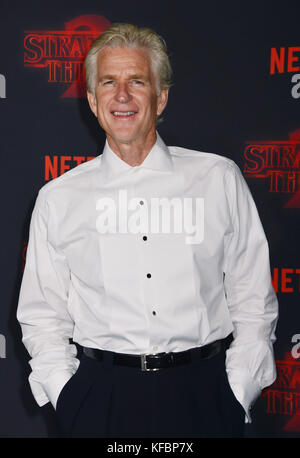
236	93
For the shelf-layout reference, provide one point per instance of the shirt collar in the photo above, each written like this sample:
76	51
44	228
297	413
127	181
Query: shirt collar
159	159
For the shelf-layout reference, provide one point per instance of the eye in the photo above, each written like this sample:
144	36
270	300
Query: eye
138	82
108	83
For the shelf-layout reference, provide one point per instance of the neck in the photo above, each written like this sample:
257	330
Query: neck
133	152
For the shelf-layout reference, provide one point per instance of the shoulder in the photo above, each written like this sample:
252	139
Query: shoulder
72	179
202	158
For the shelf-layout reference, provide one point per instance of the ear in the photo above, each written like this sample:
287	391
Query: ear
92	102
162	101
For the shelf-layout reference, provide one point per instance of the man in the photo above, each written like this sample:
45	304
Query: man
152	304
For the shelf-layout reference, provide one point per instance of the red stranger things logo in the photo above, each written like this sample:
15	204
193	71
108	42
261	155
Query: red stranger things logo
279	163
283	397
62	52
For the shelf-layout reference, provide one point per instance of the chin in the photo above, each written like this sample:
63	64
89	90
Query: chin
124	137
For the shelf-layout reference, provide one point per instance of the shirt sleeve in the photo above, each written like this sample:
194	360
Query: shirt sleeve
250	295
43	310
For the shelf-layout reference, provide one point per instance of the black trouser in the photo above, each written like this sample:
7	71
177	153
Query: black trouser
192	400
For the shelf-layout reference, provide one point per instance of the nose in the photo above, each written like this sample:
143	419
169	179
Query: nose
122	94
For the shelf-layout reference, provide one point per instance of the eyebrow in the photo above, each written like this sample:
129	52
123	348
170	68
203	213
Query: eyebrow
131	77
106	77
138	77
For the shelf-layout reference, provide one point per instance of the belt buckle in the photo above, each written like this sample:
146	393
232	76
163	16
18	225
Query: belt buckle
144	363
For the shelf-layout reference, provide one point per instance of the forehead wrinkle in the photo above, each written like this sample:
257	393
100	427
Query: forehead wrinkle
130	75
136	61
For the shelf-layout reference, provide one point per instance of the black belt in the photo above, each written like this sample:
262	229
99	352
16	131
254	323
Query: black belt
152	362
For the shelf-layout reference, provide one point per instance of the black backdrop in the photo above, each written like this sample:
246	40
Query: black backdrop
224	100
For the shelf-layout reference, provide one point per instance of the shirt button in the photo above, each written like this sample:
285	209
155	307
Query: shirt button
148	275
145	237
141	202
153	312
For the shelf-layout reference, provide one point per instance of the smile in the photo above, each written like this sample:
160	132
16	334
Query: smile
123	114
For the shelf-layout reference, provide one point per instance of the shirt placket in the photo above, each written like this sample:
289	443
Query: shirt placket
147	271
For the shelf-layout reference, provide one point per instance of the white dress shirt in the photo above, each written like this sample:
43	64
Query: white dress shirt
95	287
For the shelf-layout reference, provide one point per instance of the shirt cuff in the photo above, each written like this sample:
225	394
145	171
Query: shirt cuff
245	389
55	384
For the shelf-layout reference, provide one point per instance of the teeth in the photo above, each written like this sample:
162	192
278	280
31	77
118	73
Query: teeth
120	113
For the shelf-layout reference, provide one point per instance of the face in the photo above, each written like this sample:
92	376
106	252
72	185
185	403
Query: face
126	101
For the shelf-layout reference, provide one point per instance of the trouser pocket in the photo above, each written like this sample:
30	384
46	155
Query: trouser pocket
231	394
71	398
232	411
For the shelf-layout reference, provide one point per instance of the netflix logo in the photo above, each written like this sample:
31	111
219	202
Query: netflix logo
57	165
287	60
286	280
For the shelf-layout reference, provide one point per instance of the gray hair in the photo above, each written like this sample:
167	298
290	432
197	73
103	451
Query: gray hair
129	35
